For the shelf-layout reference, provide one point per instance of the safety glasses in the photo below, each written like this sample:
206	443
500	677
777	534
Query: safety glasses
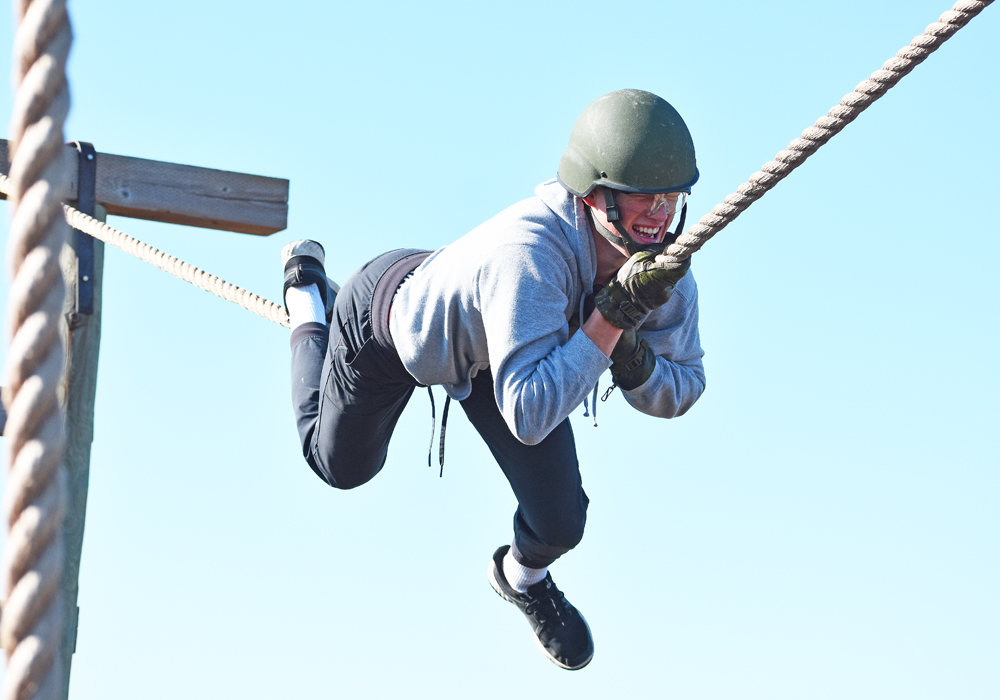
649	204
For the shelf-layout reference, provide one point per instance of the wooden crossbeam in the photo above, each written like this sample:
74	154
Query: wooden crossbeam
182	194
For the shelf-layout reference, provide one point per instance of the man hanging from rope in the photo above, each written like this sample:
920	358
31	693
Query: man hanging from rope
517	320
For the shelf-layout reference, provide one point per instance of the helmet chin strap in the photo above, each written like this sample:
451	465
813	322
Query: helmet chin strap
614	217
622	238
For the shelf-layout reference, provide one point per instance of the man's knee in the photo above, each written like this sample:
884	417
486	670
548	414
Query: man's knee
539	549
566	536
342	474
560	534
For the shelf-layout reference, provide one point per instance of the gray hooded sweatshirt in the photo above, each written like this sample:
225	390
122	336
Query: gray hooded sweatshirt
505	295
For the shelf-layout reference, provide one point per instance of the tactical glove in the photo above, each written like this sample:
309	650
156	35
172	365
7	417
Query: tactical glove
645	282
632	363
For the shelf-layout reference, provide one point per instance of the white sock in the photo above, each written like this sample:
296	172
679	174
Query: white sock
519	576
304	304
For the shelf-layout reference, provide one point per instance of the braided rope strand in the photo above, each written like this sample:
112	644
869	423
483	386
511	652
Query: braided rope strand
178	268
168	263
825	128
34	499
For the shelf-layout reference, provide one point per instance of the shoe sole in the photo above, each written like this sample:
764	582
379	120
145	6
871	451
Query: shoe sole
491	574
303	247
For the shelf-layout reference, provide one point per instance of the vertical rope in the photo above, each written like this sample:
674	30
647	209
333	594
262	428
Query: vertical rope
825	128
34	498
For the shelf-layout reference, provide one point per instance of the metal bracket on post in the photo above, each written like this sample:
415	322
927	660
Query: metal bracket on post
86	201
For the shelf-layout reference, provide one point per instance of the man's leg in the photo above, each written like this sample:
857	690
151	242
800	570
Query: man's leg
346	398
545	478
309	343
345	419
549	521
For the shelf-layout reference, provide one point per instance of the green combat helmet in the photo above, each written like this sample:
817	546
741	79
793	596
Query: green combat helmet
629	141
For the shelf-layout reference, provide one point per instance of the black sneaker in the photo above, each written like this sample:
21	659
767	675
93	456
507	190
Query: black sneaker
303	264
561	631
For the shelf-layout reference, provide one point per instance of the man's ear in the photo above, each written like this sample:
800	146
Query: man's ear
591	199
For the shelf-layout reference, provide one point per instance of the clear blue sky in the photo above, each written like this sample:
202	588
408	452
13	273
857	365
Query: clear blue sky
824	522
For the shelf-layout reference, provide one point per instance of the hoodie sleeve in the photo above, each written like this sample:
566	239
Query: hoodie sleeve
679	377
540	374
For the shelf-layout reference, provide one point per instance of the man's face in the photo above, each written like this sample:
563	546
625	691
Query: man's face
647	217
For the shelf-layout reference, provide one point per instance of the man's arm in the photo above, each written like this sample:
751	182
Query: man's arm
604	335
540	373
677	379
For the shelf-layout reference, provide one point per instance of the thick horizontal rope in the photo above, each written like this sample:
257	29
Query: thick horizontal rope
825	128
34	500
168	263
767	177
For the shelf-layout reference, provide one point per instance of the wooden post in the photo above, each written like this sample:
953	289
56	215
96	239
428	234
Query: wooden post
83	344
141	189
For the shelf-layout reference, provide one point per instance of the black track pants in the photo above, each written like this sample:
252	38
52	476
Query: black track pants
349	389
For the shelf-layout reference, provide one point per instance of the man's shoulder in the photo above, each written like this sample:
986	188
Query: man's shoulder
529	222
528	234
550	203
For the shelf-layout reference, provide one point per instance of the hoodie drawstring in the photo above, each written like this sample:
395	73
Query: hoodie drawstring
593	398
444	426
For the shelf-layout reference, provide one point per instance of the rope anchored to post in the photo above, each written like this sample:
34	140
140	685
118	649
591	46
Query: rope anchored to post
168	263
178	268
